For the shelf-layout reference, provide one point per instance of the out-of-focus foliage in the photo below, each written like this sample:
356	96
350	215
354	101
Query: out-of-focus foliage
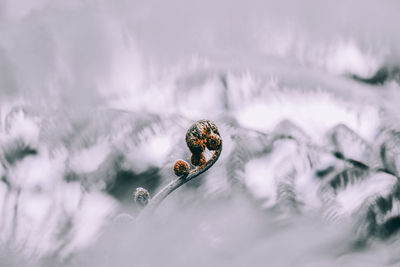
96	97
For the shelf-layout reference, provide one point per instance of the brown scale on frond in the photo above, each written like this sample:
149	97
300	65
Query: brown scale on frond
213	142
201	134
198	159
196	145
181	168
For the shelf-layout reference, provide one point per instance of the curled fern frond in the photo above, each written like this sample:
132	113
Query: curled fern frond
201	135
142	196
181	168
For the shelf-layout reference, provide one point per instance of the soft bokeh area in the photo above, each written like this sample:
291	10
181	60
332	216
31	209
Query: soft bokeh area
96	97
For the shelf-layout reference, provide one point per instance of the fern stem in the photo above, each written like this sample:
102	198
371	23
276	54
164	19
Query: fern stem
178	182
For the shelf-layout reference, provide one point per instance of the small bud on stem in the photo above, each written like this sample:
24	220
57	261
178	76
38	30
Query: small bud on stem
142	196
181	168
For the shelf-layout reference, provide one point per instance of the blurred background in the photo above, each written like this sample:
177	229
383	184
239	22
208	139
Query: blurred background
96	97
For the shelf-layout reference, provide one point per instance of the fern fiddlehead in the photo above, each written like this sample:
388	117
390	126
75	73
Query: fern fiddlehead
201	135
